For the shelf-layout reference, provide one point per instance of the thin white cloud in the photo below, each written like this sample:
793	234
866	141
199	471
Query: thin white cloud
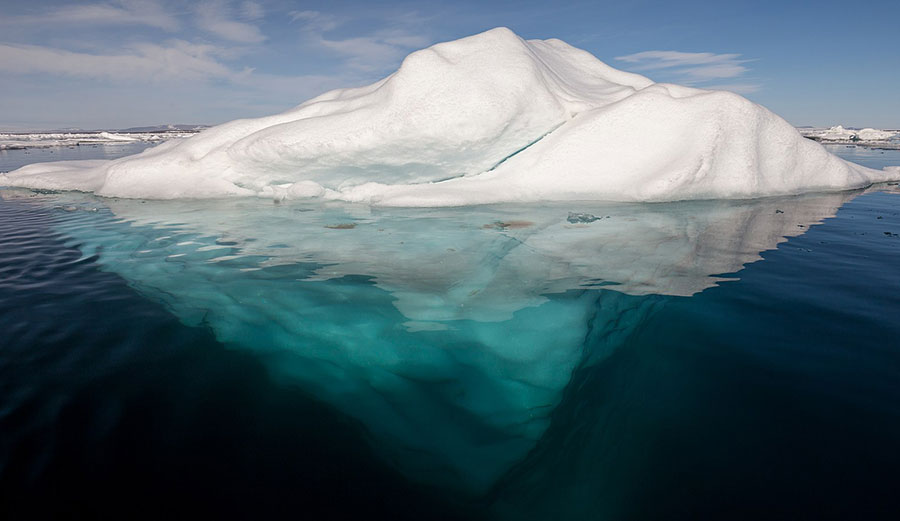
315	21
691	68
175	61
376	51
210	50
252	11
740	88
216	17
662	59
122	12
177	64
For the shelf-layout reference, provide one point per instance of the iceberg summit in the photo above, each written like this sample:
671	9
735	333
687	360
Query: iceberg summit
485	119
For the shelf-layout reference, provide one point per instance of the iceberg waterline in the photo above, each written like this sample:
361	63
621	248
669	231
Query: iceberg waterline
485	119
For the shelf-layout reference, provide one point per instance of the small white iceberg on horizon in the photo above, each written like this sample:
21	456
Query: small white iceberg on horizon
489	118
839	134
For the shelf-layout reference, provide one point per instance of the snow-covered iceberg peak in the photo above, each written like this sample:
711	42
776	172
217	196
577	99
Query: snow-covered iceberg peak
488	118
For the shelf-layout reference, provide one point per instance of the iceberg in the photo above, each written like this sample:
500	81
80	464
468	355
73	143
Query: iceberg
490	118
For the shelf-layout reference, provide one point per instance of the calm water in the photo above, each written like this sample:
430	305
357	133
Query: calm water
244	359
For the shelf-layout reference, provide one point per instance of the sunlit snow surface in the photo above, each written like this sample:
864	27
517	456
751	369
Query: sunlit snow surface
485	119
449	333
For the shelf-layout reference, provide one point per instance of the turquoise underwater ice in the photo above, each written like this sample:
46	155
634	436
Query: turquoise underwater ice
450	334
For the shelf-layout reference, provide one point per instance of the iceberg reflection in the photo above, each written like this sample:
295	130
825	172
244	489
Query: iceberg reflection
450	333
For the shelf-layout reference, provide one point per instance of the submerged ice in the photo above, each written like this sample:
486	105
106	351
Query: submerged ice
485	119
449	333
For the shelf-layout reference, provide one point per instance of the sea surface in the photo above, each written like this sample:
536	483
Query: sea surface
247	359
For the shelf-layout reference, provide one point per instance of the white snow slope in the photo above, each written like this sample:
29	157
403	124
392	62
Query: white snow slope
488	118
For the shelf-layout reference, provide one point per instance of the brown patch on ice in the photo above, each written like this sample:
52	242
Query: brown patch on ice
508	225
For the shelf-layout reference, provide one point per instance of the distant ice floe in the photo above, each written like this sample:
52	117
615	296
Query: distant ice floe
865	136
485	119
19	141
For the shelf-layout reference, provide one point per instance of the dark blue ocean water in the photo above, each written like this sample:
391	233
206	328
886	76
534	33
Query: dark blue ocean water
244	359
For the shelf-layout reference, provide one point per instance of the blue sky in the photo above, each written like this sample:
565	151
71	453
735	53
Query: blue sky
121	63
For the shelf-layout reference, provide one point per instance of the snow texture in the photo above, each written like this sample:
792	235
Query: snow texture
485	119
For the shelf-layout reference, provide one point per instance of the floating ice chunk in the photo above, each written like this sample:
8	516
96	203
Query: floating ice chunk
582	218
117	137
488	118
15	141
839	134
871	134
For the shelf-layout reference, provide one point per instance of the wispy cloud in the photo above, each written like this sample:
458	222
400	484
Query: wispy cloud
375	51
122	12
218	18
176	60
693	68
740	88
315	21
252	10
190	63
